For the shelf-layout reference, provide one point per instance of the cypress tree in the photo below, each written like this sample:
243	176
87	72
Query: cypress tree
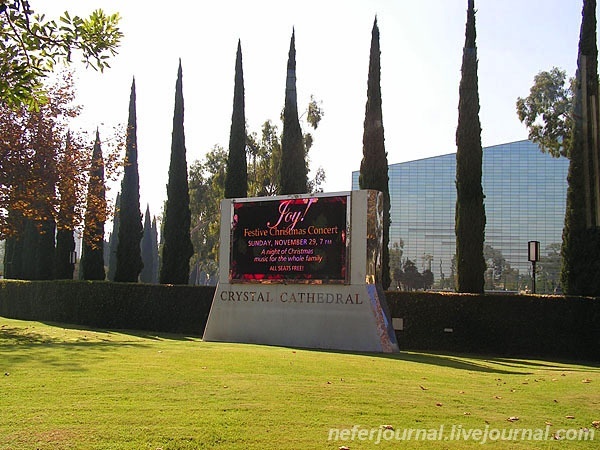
581	232
129	256
177	248
236	177
374	165
92	253
470	210
65	239
155	254
13	251
114	240
146	275
293	175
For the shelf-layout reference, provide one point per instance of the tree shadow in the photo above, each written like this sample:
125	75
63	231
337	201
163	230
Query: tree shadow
479	363
142	334
22	344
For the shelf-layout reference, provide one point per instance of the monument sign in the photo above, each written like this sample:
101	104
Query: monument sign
302	271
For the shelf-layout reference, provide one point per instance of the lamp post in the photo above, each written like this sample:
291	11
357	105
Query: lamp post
533	251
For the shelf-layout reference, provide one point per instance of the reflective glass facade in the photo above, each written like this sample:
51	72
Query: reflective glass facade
525	195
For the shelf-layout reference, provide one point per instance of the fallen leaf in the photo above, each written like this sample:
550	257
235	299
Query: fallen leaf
498	397
461	392
329	382
555	401
343	447
569	417
513	419
438	404
387	427
466	414
556	437
423	387
587	380
548	423
596	423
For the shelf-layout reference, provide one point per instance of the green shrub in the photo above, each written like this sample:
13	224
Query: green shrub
499	324
103	304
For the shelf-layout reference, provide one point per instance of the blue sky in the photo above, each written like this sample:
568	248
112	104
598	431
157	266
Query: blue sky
421	50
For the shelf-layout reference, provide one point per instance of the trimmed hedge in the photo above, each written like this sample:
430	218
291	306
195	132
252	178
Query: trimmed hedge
103	304
499	324
494	324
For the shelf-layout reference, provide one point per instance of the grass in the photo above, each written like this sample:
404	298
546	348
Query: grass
73	388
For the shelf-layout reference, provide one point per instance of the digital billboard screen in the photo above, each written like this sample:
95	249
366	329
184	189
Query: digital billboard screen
291	239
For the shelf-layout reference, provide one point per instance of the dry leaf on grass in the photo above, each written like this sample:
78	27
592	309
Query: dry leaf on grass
569	417
387	427
512	419
423	387
596	423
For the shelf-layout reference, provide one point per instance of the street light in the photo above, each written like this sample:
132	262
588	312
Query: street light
533	250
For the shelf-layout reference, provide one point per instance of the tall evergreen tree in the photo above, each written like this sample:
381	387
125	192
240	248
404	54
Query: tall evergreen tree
374	165
236	178
92	253
64	266
177	248
470	210
113	241
146	276
293	174
155	254
129	255
581	233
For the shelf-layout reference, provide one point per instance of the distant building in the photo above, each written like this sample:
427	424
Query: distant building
525	197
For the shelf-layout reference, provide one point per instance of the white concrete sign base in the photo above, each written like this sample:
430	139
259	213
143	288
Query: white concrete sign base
350	315
326	316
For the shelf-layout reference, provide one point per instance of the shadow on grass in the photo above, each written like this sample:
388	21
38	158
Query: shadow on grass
571	366
21	344
150	335
479	363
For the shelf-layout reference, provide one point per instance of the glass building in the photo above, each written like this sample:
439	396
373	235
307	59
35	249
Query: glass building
525	197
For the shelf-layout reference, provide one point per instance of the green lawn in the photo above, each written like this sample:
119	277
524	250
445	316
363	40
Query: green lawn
66	387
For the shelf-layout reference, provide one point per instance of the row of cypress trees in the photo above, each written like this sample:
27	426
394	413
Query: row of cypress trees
581	234
134	245
581	237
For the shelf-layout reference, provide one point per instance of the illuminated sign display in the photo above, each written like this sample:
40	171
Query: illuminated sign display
290	239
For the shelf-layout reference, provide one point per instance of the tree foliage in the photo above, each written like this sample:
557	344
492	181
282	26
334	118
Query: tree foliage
374	164
581	233
207	189
177	245
129	257
293	173
470	211
92	255
31	45
548	111
113	240
69	190
236	178
147	247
